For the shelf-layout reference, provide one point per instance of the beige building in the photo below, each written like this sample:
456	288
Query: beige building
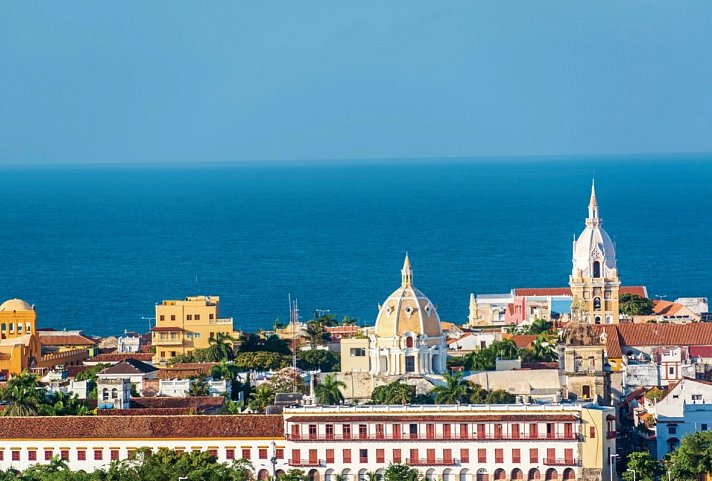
594	277
185	325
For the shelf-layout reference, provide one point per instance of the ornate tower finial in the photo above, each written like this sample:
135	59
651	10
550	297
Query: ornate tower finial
407	273
593	219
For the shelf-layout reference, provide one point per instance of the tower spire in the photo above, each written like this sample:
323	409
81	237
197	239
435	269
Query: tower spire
406	273
593	218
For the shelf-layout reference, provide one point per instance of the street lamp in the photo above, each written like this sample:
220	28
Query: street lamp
633	471
273	460
610	462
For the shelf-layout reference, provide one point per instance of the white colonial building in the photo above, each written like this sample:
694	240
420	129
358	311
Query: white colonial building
407	338
685	409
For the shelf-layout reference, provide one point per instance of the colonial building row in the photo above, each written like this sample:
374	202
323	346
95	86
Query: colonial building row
452	443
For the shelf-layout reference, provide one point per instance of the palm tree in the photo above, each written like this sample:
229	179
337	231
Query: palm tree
348	321
316	333
23	395
199	387
373	476
454	391
260	398
221	348
400	394
329	391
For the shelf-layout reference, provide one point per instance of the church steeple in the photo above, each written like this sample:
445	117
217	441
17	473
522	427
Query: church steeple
593	219
406	273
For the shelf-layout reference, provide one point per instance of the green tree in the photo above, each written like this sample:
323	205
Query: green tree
253	343
634	305
316	333
317	359
655	394
199	387
454	391
393	393
62	404
221	348
538	326
373	476
23	395
693	457
328	392
261	361
645	466
499	396
400	472
260	398
348	321
294	475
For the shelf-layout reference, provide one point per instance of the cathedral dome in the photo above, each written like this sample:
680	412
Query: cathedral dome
15	305
407	310
594	254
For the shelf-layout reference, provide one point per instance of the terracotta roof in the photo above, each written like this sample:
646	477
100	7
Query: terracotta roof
701	351
122	356
255	426
68	340
522	340
433	417
129	366
342	329
167	329
540	365
72	371
654	334
566	291
668	308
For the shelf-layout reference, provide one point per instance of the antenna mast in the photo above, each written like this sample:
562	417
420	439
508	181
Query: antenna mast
294	321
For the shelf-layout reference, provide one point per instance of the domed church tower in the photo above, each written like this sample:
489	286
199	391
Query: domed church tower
594	278
407	338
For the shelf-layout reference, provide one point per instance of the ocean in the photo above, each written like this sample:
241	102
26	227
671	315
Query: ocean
94	248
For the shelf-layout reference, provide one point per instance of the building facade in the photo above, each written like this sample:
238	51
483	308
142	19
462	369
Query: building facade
594	277
185	325
685	409
19	344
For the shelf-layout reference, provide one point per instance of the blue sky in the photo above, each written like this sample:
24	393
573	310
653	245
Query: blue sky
186	81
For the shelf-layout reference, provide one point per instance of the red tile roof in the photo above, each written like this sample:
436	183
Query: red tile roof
433	417
642	291
68	340
253	426
167	329
666	308
522	340
654	334
701	351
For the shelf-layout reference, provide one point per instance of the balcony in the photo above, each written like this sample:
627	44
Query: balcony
561	462
430	462
214	322
168	342
306	463
472	436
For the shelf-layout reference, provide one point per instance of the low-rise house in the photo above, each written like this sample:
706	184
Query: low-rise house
129	342
133	370
115	357
181	387
685	409
529	386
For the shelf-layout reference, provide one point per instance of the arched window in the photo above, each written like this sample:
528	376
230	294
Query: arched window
12	328
28	328
408	341
596	269
114	393
105	394
586	391
597	303
598	320
19	328
4	327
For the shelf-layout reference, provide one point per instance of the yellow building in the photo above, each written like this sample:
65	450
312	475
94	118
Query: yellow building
594	278
185	325
19	344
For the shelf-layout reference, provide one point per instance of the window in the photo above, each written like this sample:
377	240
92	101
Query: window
430	431
229	453
173	317
358	352
464	455
380	456
597	303
347	456
413	456
196	335
262	453
447	456
534	455
329	431
189	317
596	269
516	456
446	431
362	431
246	453
481	455
197	317
313	457
410	364
481	431
162	317
312	431
430	456
672	429
704	427
179	451
586	391
295	431
329	456
114	454
81	455
189	335
296	456
533	431
396	431
550	454
515	431
463	431
592	432
32	455
280	453
408	342
413	431
397	456
114	393
211	316
363	455
48	455
380	433
64	454
671	372
697	397
163	354
16	455
499	455
346	429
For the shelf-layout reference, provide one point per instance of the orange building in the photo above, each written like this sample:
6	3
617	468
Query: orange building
19	344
